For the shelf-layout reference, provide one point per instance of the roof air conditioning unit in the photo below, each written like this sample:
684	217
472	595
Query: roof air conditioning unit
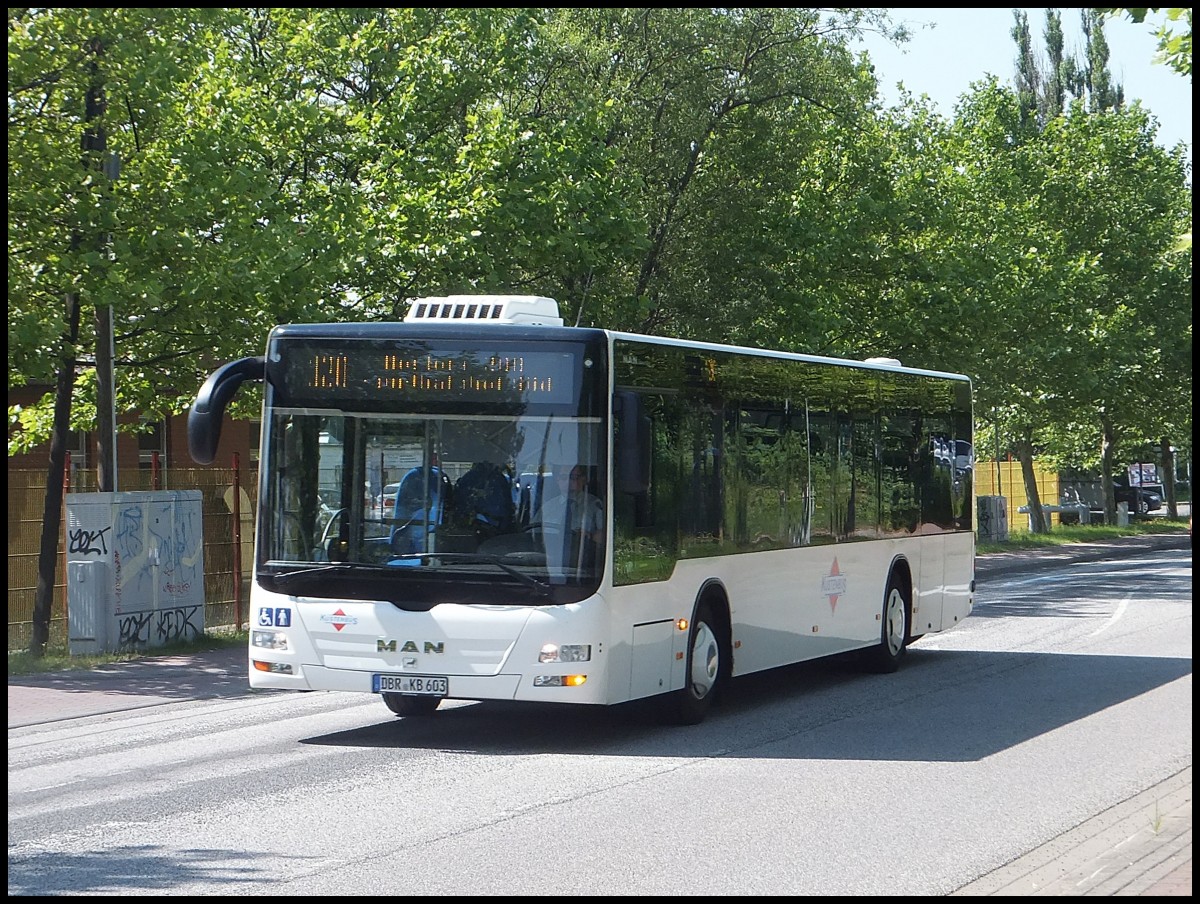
527	310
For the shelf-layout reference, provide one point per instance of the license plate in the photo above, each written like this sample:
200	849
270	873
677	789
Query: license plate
410	684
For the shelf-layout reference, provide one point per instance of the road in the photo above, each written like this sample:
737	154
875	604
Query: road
1067	692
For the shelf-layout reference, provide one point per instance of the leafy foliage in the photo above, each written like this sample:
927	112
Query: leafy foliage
1174	46
724	174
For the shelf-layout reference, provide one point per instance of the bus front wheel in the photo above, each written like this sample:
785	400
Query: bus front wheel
691	703
405	705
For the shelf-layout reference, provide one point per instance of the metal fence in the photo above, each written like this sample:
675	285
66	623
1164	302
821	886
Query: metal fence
226	568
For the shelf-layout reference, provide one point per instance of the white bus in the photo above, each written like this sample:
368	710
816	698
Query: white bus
733	509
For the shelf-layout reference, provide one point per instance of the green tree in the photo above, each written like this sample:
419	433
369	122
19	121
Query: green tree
1174	46
276	165
712	115
460	178
1174	49
64	217
1041	112
1043	88
1085	281
1102	92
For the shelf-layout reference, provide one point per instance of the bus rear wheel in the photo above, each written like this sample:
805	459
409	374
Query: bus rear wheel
406	705
691	703
893	634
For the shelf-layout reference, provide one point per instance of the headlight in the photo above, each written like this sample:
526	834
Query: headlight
568	652
269	640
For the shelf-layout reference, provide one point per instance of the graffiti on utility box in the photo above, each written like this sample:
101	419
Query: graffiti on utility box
135	569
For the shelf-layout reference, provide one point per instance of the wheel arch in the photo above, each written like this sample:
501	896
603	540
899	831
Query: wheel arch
713	592
901	571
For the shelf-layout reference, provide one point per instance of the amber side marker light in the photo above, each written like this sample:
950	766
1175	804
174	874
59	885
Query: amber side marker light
559	680
277	668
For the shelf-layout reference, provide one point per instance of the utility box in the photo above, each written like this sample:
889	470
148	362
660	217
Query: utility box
89	591
991	516
1122	514
135	570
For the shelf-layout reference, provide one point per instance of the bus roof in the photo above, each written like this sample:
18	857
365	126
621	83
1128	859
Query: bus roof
527	316
888	364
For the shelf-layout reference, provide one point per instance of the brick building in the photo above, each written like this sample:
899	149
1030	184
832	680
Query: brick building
161	444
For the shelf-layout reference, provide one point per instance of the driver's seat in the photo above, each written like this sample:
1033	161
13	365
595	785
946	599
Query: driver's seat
417	517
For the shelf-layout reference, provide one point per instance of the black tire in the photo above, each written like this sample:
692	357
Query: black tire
705	669
886	656
406	705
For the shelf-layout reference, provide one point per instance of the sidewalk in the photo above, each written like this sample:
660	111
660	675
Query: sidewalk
1140	847
121	686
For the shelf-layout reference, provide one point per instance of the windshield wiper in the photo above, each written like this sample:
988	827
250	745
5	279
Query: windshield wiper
283	578
287	577
474	558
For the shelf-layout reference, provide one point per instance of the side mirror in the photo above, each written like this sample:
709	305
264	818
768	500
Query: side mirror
633	444
208	411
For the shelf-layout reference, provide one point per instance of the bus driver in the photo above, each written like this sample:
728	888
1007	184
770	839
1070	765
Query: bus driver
574	512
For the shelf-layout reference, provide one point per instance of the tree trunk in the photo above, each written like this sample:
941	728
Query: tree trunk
1038	523
1108	442
52	509
93	140
1168	477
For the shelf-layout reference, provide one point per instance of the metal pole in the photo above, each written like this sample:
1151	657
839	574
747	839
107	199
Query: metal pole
237	540
66	597
996	431
112	395
112	171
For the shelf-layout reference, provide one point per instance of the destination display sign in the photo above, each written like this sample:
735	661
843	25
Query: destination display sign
324	371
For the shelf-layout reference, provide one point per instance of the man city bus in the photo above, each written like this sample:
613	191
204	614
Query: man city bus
735	509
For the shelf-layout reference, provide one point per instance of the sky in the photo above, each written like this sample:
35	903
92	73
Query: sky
965	45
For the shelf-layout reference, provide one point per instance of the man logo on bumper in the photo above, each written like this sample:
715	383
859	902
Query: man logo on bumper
409	646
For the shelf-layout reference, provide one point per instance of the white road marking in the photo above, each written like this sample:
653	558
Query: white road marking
1114	618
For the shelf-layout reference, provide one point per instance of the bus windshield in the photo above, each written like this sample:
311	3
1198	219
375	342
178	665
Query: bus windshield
412	502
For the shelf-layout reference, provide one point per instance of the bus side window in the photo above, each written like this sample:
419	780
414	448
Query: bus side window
632	443
644	521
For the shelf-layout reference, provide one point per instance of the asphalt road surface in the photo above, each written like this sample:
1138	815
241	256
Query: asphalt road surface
1066	693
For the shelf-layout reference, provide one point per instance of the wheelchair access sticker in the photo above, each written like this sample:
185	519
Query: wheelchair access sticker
274	618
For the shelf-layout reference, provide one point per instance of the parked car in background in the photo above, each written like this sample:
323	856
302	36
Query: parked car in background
1140	499
387	501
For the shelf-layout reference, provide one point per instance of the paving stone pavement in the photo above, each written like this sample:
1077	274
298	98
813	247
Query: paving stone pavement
1140	847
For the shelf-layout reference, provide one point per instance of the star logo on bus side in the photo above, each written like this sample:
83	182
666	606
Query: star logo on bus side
833	585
